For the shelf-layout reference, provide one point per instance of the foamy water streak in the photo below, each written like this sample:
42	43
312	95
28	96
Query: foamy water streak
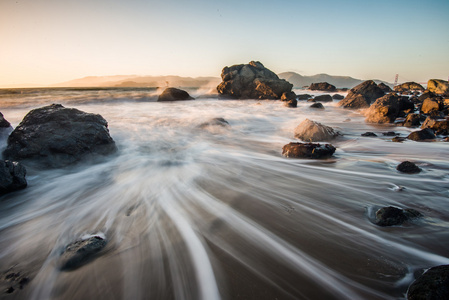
218	213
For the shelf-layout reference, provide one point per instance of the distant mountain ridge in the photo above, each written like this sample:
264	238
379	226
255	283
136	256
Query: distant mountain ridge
296	79
300	81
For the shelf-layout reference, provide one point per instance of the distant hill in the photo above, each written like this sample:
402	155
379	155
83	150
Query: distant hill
299	81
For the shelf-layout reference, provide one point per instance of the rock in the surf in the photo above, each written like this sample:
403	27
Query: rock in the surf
317	105
12	176
385	88
174	94
322	86
55	136
384	109
311	131
438	125
408	87
308	150
422	135
362	95
81	252
408	167
252	81
390	216
438	86
323	98
432	285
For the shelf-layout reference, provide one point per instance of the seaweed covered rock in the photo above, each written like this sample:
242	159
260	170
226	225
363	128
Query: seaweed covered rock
308	150
252	81
81	252
12	176
322	86
173	94
432	285
362	95
311	131
56	136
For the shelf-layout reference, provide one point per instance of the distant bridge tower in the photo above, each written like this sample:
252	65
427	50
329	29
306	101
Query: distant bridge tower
396	80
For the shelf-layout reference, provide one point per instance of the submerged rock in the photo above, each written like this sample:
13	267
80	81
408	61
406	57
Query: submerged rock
81	252
215	122
438	86
308	150
322	86
317	105
303	97
362	95
408	86
173	94
311	131
369	133
422	135
408	167
12	176
432	285
323	98
56	136
390	216
252	81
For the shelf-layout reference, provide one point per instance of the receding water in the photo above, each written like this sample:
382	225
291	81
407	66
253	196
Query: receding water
218	213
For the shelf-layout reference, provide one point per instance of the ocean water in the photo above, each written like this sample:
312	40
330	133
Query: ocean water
217	212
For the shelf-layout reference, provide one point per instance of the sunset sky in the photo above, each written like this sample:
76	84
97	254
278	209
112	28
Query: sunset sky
51	41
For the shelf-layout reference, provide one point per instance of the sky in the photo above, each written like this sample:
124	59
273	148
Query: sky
50	41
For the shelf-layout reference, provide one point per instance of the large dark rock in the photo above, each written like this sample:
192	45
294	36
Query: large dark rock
308	150
322	86
3	122
438	125
408	167
317	105
390	216
385	88
56	136
338	97
368	89
252	81
311	131
173	94
81	252
12	176
422	135
384	109
438	86
291	103
432	285
408	87
323	98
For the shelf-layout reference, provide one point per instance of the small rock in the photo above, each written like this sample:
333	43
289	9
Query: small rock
322	86
390	133
323	98
408	86
338	97
432	285
317	105
398	139
291	103
215	122
173	94
408	167
430	105
3	122
368	133
439	125
12	176
438	86
308	150
81	252
303	97
422	135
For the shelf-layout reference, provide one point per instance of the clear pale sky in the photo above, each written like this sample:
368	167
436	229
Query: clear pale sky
51	41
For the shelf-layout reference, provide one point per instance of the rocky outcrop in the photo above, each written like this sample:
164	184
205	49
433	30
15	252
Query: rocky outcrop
252	81
56	136
385	88
81	252
422	135
308	150
12	176
323	98
408	167
432	285
173	94
384	110
390	216
438	86
310	131
408	87
322	86
438	125
362	95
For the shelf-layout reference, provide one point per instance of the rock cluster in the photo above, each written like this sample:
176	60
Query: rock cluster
252	81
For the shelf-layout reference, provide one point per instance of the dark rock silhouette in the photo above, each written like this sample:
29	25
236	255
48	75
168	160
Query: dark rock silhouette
12	176
432	285
322	86
308	150
80	253
362	95
173	94
408	167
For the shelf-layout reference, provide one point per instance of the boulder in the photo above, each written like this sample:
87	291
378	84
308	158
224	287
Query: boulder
303	97
81	252
338	97
438	86
390	216
412	120
3	122
308	150
323	98
311	131
384	110
408	87
408	167
438	125
369	134
173	94
422	135
322	86
430	104
432	285
56	136
317	105
291	103
369	92
287	96
12	176
252	81
385	88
